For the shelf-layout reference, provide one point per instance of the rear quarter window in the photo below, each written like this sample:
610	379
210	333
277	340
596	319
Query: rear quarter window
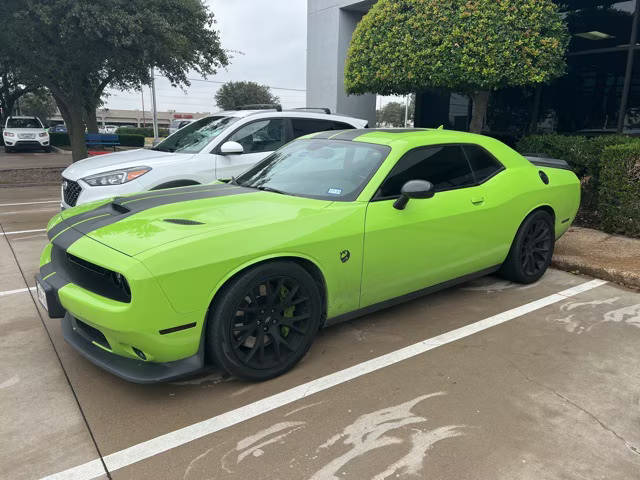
483	164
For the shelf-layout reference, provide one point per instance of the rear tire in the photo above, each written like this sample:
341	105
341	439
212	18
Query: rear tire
264	321
532	249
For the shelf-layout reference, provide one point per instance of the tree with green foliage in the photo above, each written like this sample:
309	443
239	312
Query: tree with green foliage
89	46
232	95
11	88
39	103
471	47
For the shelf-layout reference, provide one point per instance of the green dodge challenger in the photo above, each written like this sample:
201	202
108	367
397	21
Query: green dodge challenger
243	273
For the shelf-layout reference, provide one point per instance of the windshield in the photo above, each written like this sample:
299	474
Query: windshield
323	169
24	123
193	138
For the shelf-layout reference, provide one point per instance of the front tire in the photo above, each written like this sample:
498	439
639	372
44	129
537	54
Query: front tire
8	150
264	321
532	249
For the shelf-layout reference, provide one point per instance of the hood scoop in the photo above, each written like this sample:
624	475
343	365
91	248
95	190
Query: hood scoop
119	207
181	221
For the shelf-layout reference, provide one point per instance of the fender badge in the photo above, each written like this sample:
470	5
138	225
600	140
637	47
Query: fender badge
345	255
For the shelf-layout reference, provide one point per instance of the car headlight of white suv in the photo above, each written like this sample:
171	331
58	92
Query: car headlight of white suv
116	177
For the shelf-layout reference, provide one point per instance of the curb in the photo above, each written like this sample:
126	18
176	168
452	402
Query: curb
622	277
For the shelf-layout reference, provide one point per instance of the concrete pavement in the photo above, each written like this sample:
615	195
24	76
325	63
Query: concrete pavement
552	393
35	159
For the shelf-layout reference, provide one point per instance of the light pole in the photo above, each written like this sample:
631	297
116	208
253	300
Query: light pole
155	106
406	111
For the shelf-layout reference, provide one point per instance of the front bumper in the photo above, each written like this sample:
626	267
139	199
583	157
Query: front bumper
136	371
26	144
144	340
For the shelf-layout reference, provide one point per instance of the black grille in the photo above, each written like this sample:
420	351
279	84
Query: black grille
89	276
92	334
71	191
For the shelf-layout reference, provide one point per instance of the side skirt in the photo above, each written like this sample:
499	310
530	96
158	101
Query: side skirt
409	296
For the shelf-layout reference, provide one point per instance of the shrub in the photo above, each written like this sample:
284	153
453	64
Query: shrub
619	199
584	155
59	139
131	140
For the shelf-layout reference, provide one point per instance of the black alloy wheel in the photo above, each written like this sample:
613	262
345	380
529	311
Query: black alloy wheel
536	246
532	249
265	321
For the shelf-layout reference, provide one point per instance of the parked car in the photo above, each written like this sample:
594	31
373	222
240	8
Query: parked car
218	146
335	225
178	124
25	133
60	128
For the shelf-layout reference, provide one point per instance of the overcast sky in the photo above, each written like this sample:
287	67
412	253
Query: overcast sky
272	38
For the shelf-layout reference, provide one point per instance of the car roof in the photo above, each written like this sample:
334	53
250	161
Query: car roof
289	114
391	136
22	117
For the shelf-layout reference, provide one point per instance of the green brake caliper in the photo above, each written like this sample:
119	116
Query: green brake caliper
288	312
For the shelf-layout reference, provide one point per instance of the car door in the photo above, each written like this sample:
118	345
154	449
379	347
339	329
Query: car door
432	240
258	138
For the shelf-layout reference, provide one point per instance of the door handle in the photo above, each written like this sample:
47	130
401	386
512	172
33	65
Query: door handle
477	200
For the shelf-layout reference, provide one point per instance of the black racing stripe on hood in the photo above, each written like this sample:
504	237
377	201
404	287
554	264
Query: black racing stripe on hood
120	208
108	208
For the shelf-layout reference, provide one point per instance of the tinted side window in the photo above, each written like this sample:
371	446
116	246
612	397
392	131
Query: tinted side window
446	167
342	126
482	162
305	126
261	136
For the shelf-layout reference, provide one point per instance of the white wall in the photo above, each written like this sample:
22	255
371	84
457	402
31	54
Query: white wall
330	25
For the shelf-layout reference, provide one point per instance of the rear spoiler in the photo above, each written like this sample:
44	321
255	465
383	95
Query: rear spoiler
542	161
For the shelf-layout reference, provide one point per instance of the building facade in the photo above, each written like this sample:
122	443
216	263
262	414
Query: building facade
134	118
600	92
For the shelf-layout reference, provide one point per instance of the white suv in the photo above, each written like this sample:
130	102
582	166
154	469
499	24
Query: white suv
25	132
215	147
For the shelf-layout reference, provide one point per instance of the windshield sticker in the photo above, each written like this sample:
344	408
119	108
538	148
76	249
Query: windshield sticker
334	191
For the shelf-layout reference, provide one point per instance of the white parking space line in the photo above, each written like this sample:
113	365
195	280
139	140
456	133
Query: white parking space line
13	292
28	203
168	441
24	231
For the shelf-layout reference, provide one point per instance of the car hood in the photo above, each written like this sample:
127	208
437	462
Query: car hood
112	161
135	224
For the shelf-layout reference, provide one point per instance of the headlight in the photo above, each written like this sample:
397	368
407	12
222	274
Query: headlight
44	134
9	134
117	177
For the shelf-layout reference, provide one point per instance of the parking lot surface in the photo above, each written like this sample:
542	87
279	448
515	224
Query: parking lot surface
527	382
33	159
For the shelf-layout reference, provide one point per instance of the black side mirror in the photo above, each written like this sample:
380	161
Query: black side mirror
414	189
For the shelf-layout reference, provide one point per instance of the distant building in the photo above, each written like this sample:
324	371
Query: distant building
135	118
599	94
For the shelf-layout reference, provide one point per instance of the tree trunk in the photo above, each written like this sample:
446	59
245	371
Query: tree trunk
72	111
77	129
533	124
91	119
480	104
